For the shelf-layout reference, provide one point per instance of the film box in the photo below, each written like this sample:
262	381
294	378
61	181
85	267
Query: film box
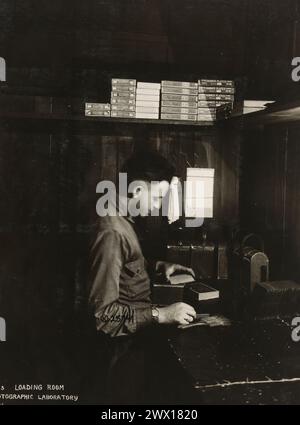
179	98
205	89
148	86
147	110
168	110
95	113
123	114
206	104
123	108
212	115
122	101
224	97
185	117
98	106
225	90
147	115
207	82
179	90
123	94
215	97
175	104
147	98
147	103
180	84
123	88
223	102
207	111
206	118
225	83
148	92
125	81
207	96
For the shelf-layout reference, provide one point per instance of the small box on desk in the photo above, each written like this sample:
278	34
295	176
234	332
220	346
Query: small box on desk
166	294
277	298
202	296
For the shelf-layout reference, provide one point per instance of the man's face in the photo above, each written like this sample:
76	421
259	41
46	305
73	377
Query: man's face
148	196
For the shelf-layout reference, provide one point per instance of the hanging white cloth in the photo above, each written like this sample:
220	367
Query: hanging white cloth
174	205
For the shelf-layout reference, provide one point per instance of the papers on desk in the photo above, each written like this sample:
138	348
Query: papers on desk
180	279
207	320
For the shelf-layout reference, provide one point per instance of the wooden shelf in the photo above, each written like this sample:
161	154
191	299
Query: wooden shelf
80	123
71	118
274	114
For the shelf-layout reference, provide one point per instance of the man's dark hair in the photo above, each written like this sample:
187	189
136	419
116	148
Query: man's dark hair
148	166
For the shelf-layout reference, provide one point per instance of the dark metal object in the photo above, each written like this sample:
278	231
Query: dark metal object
250	265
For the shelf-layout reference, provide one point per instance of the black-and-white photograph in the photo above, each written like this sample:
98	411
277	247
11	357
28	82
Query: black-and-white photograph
150	205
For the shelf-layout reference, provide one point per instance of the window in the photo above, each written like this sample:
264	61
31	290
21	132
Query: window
199	192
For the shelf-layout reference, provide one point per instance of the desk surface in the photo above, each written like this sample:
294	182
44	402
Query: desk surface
253	362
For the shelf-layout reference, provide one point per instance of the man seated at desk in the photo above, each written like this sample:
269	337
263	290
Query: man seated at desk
119	284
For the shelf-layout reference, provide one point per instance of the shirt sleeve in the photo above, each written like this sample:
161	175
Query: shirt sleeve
107	260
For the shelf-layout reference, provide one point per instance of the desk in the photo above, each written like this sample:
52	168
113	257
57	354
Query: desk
246	363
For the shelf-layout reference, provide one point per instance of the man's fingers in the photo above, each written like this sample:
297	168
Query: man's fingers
188	270
190	310
186	319
168	275
191	271
191	313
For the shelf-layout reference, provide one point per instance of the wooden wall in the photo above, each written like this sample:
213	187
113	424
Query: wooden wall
270	188
74	46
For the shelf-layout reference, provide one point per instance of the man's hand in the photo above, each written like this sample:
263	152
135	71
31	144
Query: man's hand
178	313
167	269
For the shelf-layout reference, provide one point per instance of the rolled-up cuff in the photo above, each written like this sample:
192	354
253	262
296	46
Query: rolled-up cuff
143	317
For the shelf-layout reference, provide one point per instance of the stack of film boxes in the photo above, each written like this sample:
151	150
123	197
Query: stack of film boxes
97	109
179	100
147	100
214	94
123	93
